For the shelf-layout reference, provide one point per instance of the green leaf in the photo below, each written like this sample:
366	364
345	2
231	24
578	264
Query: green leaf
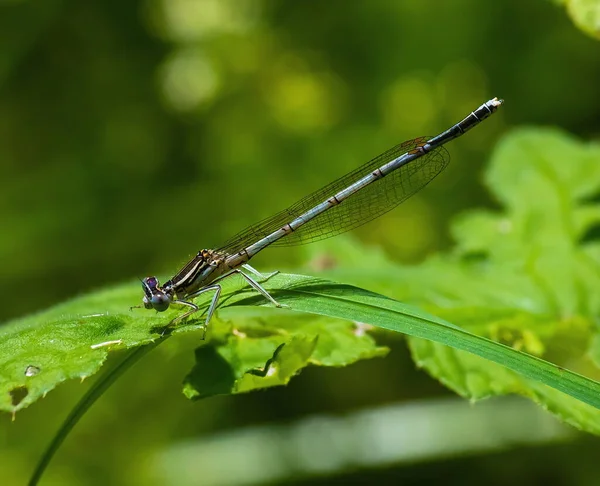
73	341
301	293
527	276
288	359
585	14
256	354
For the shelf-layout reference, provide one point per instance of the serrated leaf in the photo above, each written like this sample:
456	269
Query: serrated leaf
319	297
288	359
527	275
73	339
331	299
254	354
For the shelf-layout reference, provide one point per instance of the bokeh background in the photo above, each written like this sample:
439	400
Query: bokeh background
133	134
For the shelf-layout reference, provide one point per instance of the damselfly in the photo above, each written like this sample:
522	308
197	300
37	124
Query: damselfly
354	199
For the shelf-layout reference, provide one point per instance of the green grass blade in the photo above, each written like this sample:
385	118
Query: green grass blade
95	392
347	302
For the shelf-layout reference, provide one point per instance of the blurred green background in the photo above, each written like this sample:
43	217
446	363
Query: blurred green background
133	134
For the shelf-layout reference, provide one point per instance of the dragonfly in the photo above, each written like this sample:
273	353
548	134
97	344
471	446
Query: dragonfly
346	203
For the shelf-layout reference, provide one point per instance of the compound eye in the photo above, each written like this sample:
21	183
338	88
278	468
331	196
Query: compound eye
150	286
160	301
146	302
155	297
151	282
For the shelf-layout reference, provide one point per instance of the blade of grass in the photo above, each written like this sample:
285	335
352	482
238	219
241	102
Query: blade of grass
95	392
324	297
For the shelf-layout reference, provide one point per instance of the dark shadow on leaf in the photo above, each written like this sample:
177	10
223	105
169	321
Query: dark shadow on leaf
166	330
590	199
474	256
114	326
263	372
591	234
102	326
162	330
211	375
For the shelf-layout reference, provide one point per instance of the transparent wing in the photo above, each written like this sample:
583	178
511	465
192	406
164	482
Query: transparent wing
365	205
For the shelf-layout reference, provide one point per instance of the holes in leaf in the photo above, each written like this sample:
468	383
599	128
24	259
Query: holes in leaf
18	394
